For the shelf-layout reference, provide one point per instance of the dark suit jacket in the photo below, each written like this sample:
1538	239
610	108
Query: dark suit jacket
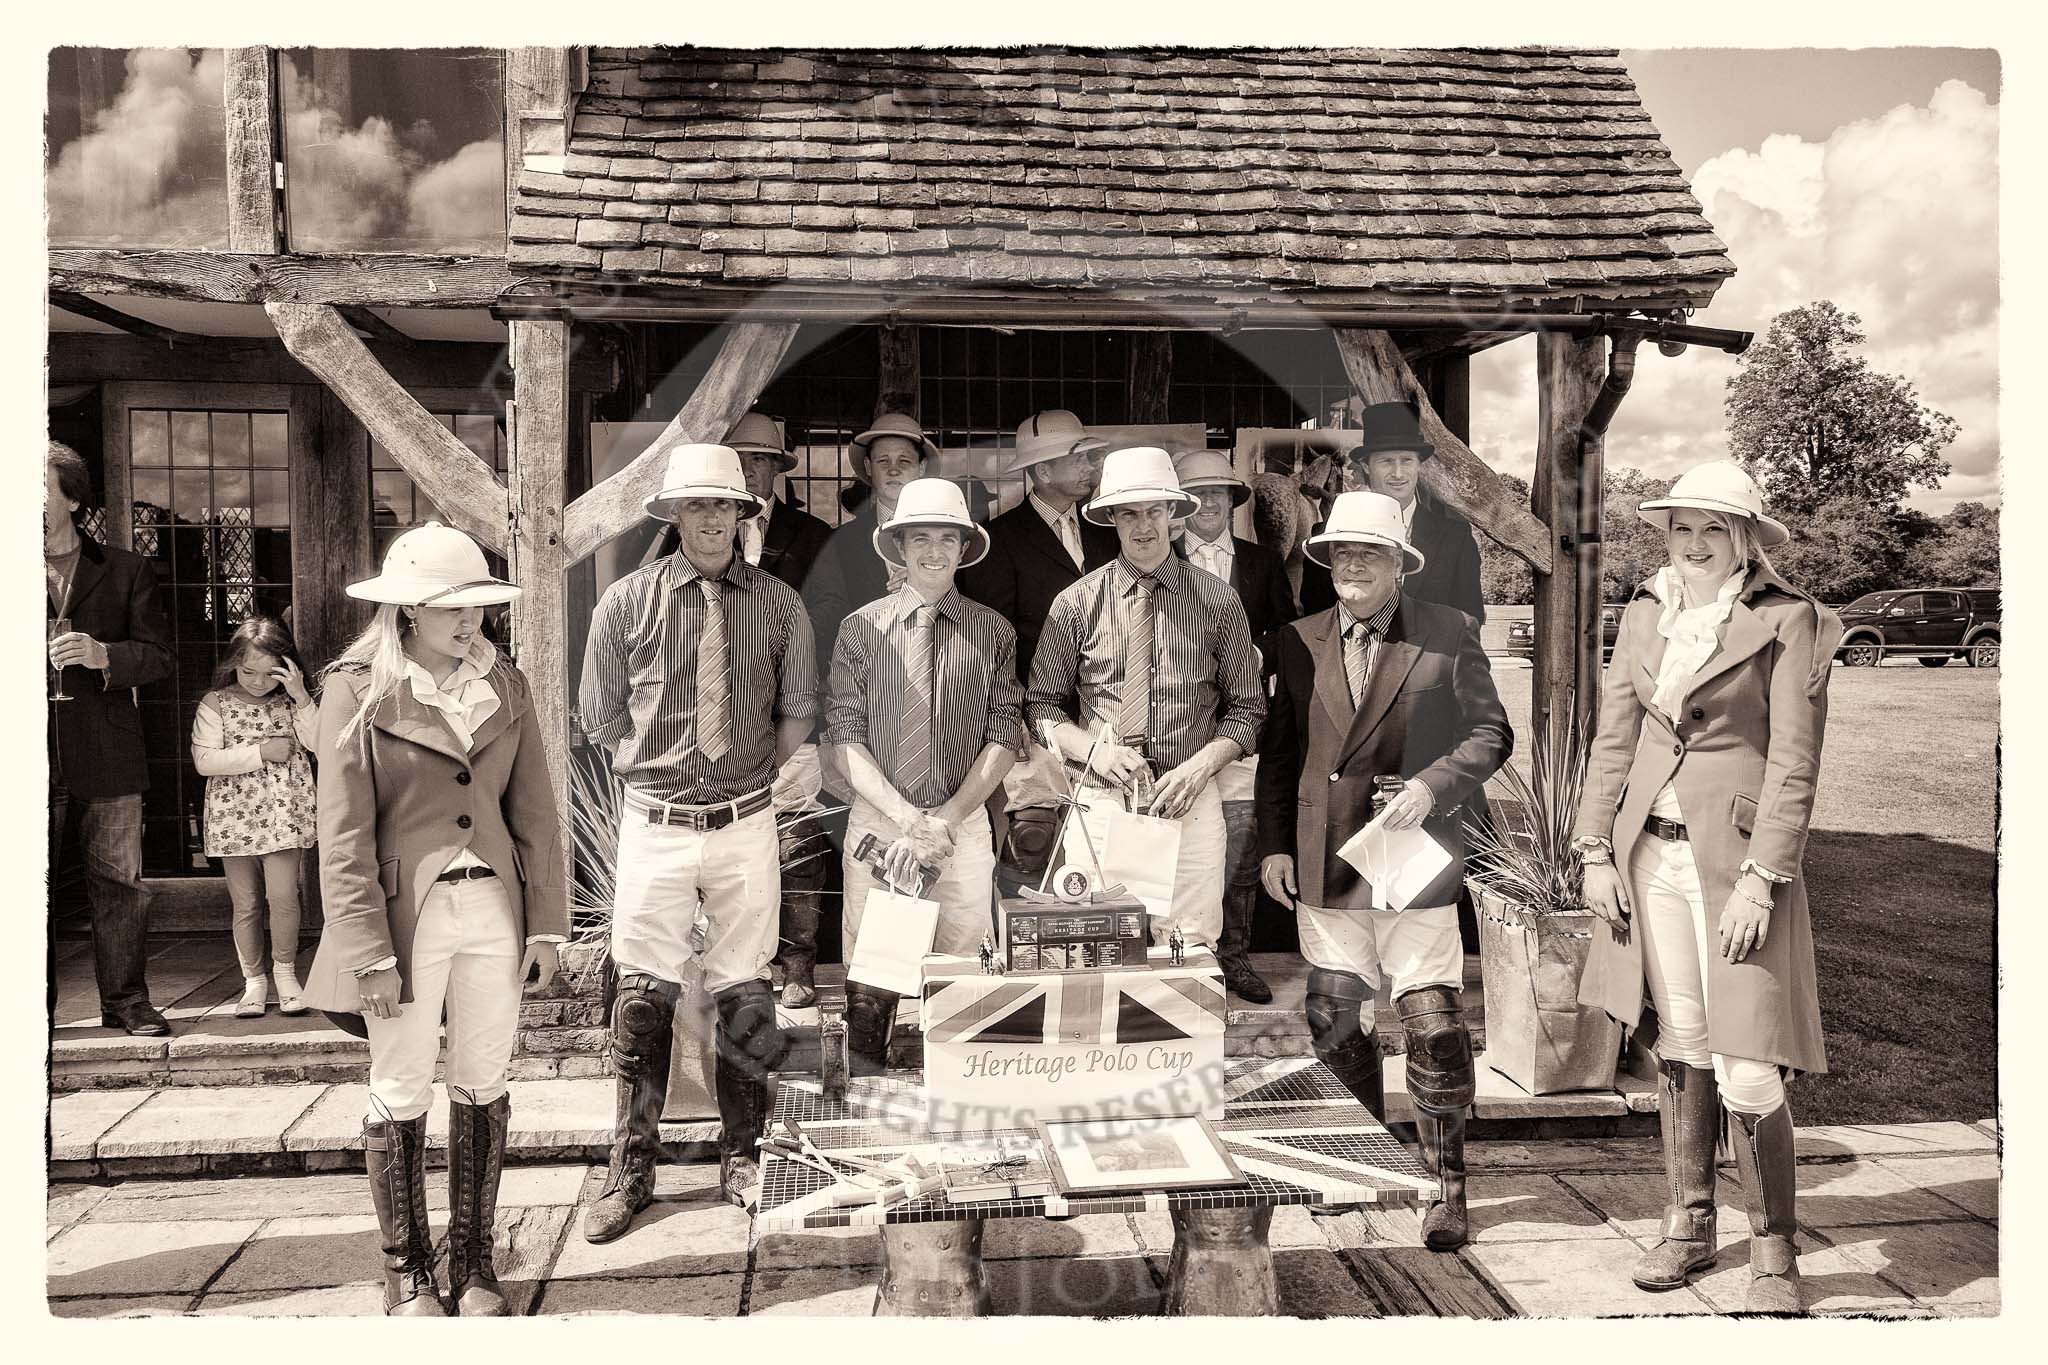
1430	712
788	550
1450	568
846	575
1027	567
95	739
1261	582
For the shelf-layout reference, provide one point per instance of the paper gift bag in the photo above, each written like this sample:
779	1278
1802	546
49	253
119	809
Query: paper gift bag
1138	851
896	931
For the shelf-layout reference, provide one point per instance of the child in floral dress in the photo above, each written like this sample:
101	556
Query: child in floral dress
250	740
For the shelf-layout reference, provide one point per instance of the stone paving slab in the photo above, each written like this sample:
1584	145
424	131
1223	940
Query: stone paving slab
1315	1285
188	1122
64	1205
1937	1263
1835	1281
1528	1208
1528	1275
1863	1192
306	1253
1890	1139
143	1258
78	1121
1093	1234
1112	1287
1634	1205
704	1296
813	1293
360	1300
1496	1097
697	1235
821	1249
1970	1182
135	1306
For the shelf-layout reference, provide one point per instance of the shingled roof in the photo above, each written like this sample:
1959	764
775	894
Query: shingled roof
1395	177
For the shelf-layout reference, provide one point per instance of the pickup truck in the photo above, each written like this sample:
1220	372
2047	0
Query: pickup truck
1522	634
1932	625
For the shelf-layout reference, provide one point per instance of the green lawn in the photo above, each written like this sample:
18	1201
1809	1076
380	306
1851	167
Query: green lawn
1901	870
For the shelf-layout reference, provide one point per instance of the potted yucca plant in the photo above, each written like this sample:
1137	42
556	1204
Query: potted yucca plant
1534	927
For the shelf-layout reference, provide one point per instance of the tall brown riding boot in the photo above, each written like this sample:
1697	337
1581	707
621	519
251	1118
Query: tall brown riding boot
1441	1085
1339	1006
476	1158
1764	1156
803	847
1442	1139
1234	946
870	1020
1689	1118
643	1034
395	1154
751	1043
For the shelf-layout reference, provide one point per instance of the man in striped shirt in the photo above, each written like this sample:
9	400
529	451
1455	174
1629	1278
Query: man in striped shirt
700	680
1162	653
924	712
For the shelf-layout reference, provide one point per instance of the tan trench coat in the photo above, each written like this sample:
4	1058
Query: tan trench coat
399	799
1745	756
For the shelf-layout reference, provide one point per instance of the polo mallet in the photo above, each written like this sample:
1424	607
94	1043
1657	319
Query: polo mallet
1072	802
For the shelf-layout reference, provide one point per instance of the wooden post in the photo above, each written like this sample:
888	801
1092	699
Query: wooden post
331	540
1460	479
539	472
1450	391
1569	371
902	371
1151	375
252	152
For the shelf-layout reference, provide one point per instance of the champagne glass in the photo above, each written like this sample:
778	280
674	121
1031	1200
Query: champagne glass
59	626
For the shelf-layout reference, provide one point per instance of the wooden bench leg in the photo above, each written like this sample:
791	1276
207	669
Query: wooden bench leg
932	1270
1221	1264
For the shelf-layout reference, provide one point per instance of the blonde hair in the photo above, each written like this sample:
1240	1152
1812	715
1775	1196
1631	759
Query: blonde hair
381	650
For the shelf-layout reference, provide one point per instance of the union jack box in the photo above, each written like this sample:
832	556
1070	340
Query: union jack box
1007	1051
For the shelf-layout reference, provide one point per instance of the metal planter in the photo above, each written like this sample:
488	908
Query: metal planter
1537	1033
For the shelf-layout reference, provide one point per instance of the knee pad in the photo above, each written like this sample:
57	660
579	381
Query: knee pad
1440	1075
870	1018
750	1037
1334	1005
1032	840
643	1016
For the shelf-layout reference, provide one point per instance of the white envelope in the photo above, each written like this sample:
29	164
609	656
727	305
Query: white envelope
1399	865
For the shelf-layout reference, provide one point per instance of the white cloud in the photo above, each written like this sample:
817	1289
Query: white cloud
150	168
460	203
1894	218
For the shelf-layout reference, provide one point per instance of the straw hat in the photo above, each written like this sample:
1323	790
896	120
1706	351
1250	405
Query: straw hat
1139	474
434	566
932	502
1391	426
702	471
1364	518
892	424
1211	469
1049	435
1718	486
758	432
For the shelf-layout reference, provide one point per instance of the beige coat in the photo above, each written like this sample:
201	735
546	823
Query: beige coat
400	798
1745	756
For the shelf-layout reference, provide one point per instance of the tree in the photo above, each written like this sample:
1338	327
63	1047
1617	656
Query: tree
1961	550
1842	549
1813	421
1505	579
1632	549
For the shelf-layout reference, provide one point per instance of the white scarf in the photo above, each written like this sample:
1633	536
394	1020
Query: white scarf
1691	633
467	699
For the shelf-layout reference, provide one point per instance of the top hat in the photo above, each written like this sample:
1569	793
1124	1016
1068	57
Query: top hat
760	433
1718	486
932	502
702	471
1211	469
1391	426
893	424
434	566
1139	474
1049	435
1364	518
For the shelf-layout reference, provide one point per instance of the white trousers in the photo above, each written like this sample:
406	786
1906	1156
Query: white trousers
1678	941
465	959
668	874
1197	875
964	890
1404	949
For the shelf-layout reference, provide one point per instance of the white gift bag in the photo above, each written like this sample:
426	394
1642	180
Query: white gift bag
896	931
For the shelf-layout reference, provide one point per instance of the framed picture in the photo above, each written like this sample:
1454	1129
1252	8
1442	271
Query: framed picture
1089	1156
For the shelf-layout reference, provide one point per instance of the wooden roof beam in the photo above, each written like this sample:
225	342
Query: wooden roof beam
373	281
372	326
1465	483
465	488
81	306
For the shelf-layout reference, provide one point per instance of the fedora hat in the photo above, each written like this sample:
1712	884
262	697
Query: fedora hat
760	433
434	566
893	424
1049	435
702	471
1718	486
1211	469
932	502
1391	426
1364	518
1139	474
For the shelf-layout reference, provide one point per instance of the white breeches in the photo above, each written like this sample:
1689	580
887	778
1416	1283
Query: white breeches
668	874
465	958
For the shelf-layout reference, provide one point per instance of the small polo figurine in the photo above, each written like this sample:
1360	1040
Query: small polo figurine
1177	947
988	955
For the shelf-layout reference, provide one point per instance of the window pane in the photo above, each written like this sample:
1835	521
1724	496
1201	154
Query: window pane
191	440
394	150
393	505
189	495
480	434
149	438
231	438
267	433
273	498
137	148
152	487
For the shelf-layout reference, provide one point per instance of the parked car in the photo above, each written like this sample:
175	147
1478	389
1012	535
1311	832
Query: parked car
1522	635
1933	625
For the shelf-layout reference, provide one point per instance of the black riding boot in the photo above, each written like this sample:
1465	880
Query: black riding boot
1764	1156
1689	1118
1340	1025
395	1154
870	1020
476	1158
1441	1085
643	1035
1233	949
803	847
750	1045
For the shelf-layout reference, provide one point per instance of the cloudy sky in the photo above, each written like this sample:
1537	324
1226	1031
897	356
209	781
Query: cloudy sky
1867	177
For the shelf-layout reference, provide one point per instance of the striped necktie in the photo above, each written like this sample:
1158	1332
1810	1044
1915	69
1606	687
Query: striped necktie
1070	536
916	748
714	686
1134	705
1357	660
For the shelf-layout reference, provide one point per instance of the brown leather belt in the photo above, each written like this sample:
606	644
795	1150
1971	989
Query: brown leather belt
1669	830
465	874
706	818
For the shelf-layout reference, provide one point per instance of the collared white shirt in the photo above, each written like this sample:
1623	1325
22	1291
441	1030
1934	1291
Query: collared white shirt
1217	556
754	533
1066	525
